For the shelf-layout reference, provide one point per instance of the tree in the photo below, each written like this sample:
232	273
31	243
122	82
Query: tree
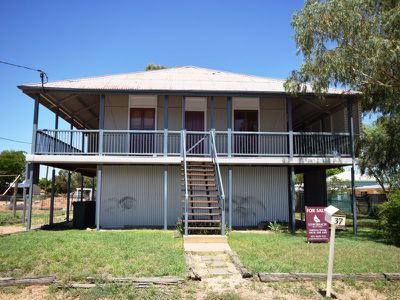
151	67
11	163
61	181
334	171
353	44
379	154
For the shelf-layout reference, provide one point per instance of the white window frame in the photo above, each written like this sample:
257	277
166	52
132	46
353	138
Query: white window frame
143	101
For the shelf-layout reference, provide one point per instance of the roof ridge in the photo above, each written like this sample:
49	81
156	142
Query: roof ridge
108	75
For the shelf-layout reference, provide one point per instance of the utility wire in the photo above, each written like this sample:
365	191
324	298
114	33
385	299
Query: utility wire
16	141
43	76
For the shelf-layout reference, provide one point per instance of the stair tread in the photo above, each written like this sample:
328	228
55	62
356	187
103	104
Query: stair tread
199	179
213	197
199	174
204	228
200	184
200	201
204	221
204	207
204	214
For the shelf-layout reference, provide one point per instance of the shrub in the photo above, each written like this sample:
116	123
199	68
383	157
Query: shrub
179	226
389	217
275	226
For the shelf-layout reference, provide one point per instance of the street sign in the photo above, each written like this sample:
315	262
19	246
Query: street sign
317	227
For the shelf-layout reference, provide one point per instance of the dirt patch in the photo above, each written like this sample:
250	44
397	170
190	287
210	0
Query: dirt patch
32	293
11	229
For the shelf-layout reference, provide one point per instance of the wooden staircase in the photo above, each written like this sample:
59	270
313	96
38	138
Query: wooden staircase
204	207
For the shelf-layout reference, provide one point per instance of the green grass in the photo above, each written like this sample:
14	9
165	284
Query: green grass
7	218
283	252
74	254
39	217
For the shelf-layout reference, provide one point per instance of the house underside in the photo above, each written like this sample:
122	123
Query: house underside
206	146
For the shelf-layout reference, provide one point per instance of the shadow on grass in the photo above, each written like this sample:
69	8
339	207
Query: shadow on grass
367	229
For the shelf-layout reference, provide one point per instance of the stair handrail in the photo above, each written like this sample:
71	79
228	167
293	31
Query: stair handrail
214	155
183	139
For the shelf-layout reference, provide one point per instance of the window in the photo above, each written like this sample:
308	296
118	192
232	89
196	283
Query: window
246	120
142	119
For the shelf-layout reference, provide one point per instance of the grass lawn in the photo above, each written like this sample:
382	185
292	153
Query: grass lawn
39	217
75	254
283	252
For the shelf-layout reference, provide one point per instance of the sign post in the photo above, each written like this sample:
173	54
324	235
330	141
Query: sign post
335	218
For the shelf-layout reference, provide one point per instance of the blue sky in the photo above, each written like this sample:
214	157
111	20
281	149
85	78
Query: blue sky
70	39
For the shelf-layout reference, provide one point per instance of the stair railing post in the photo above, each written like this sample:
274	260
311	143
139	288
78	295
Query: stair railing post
221	193
183	146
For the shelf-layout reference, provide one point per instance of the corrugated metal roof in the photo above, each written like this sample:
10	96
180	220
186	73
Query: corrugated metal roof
185	78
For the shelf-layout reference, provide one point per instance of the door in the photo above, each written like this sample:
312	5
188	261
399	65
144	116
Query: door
246	120
142	119
195	142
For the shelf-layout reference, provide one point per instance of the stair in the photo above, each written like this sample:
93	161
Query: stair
204	210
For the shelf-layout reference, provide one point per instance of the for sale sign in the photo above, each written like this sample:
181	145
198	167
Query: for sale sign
317	227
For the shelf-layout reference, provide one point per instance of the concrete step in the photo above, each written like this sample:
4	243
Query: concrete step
201	238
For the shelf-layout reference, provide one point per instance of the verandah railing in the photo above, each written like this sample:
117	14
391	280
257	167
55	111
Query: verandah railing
198	143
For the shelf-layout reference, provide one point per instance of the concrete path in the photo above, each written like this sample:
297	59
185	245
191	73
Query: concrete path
211	261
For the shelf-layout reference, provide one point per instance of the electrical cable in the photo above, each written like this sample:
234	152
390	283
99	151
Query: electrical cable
43	75
16	141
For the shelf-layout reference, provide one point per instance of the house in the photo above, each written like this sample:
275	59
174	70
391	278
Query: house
208	146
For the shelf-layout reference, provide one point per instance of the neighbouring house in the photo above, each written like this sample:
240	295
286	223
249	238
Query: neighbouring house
210	147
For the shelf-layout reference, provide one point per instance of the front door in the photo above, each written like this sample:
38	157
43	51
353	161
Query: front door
194	121
142	119
246	120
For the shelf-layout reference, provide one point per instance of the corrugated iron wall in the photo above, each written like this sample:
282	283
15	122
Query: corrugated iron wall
259	193
133	196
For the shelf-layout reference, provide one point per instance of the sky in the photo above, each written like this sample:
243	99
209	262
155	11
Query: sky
71	39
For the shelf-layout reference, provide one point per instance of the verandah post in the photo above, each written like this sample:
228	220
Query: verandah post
166	107
292	175
30	166
69	174
101	123
98	194
99	171
229	123
53	173
353	159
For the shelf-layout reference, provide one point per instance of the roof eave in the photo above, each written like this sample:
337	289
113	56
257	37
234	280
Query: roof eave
34	89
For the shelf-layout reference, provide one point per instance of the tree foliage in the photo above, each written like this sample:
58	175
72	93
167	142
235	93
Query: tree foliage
11	163
151	67
353	44
61	181
388	216
334	171
379	154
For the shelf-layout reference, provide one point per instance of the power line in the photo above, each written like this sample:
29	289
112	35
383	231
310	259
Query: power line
16	141
43	76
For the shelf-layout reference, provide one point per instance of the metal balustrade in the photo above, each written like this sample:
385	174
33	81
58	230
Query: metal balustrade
198	143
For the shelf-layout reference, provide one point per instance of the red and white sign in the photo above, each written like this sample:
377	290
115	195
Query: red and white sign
317	227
